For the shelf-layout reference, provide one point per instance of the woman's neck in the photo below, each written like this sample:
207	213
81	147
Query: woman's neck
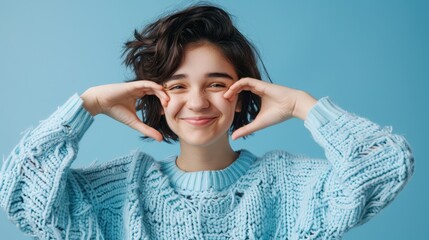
205	158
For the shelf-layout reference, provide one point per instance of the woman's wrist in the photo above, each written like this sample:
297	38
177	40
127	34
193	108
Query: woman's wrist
304	103
89	103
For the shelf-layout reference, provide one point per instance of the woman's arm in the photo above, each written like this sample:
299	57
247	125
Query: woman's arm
368	164
39	191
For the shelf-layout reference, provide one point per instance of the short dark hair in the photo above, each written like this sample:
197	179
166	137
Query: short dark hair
156	52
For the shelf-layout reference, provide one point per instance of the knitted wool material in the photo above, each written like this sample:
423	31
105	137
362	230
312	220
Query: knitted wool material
276	196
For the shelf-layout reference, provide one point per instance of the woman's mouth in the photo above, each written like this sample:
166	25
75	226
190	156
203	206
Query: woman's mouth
198	121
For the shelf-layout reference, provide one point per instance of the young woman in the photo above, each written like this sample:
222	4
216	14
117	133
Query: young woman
197	82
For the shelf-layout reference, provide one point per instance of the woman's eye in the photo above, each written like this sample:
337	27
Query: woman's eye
217	85
174	87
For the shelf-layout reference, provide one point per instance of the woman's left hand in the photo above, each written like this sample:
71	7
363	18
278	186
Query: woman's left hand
279	103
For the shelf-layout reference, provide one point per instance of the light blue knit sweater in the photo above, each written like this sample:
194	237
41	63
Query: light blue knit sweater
276	196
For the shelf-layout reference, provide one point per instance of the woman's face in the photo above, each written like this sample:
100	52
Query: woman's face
197	111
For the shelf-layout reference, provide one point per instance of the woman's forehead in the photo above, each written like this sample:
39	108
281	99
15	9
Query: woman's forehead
205	59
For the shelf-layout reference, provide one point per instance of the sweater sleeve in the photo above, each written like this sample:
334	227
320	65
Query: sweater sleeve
38	190
369	165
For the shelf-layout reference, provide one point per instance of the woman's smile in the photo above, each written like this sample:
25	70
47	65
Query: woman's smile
199	121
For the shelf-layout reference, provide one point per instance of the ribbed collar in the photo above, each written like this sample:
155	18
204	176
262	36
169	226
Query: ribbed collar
206	180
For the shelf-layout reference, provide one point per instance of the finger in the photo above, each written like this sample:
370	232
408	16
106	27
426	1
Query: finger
163	97
145	130
142	84
160	94
250	84
144	87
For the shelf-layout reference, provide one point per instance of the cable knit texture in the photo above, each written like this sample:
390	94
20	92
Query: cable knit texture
276	196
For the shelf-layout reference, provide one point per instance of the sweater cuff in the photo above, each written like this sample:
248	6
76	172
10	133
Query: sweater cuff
74	117
322	112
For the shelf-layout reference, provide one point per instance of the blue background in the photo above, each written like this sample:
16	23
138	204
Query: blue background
370	57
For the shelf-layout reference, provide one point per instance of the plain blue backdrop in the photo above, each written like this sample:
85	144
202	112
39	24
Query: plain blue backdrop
370	57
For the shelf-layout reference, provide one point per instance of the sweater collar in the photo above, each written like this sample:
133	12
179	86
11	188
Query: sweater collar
206	180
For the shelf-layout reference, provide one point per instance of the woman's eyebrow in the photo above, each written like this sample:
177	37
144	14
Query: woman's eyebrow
220	75
177	77
208	75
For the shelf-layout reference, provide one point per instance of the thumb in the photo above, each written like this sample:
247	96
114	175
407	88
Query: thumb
247	129
145	129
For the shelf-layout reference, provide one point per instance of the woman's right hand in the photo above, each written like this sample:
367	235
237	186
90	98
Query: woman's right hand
118	101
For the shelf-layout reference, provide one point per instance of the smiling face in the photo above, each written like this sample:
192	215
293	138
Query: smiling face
197	111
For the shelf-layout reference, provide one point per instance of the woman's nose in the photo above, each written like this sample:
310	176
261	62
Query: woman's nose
197	101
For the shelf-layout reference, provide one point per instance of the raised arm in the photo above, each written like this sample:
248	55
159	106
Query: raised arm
368	164
36	186
38	189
